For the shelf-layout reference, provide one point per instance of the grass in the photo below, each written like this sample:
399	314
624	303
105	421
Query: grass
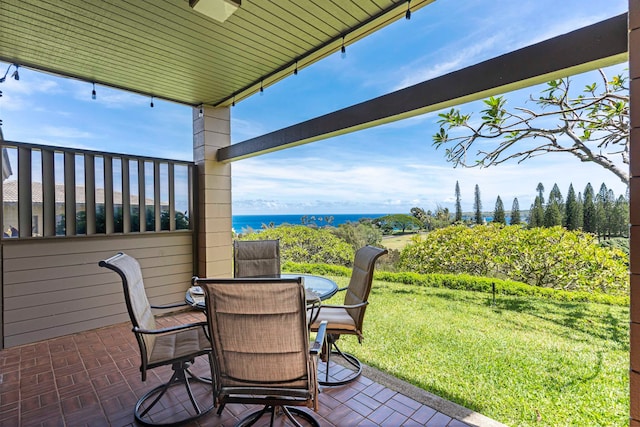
397	241
524	361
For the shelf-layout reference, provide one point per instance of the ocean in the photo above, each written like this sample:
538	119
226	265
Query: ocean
241	223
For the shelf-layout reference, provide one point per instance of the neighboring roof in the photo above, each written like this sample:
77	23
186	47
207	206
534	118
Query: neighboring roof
165	49
10	194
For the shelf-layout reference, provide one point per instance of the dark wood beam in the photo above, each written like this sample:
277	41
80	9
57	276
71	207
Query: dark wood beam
598	45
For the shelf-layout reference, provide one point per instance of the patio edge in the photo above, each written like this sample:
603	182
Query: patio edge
444	406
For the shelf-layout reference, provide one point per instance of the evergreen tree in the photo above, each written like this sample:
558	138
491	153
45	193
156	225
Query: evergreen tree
515	212
580	205
555	196
458	204
620	218
571	211
552	215
536	214
555	207
477	206
589	219
540	190
498	212
611	203
603	212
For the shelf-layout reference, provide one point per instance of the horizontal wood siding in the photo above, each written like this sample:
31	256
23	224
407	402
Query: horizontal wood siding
54	287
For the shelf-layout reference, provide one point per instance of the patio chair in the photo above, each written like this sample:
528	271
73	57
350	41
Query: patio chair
261	350
256	258
177	346
347	319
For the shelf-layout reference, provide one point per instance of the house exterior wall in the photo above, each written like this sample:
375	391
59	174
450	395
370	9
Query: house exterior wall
53	287
634	194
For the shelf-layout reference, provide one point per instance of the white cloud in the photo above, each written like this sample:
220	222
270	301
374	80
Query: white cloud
455	59
65	132
245	129
302	185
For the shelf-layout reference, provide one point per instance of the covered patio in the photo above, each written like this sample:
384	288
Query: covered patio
165	49
91	378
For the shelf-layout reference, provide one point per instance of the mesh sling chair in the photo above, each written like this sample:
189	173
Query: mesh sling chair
256	258
348	318
177	346
261	351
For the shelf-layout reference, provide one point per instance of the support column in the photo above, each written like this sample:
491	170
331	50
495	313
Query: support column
634	208
211	132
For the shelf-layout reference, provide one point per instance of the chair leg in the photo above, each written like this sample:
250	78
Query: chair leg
181	375
290	412
332	348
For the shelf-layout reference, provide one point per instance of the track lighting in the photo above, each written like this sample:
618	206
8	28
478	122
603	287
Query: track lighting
408	14
93	92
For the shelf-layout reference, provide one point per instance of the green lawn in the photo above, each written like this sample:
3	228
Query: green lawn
397	241
523	362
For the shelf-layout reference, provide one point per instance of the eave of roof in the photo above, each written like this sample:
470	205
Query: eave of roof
164	49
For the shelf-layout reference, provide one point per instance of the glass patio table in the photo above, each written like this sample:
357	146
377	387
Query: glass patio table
316	287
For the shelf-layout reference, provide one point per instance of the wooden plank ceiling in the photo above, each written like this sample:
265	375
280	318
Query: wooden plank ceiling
163	48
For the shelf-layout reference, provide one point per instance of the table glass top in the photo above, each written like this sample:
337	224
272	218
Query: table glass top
320	286
315	286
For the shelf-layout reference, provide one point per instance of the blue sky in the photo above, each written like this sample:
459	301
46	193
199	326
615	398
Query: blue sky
386	169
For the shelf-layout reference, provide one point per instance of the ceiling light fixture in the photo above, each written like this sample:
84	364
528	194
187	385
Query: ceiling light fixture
219	10
295	70
408	14
93	92
233	102
261	88
151	103
343	50
200	113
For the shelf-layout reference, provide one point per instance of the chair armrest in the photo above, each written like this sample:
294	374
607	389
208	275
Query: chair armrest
170	328
313	309
167	306
316	347
361	304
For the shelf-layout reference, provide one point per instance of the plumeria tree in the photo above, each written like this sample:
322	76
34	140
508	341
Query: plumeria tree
592	125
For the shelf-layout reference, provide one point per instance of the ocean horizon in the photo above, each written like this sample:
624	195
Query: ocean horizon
242	223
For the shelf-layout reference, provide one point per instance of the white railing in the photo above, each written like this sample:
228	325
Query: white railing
53	191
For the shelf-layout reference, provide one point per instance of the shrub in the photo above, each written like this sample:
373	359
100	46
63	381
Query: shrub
304	244
464	282
544	257
319	269
358	234
621	243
